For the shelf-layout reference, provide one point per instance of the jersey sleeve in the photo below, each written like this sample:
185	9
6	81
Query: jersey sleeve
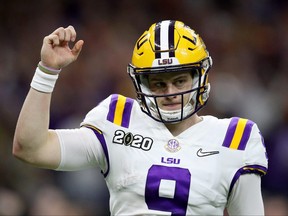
112	112
86	147
243	137
255	158
246	197
79	150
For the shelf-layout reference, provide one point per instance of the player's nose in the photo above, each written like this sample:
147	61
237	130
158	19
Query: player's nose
170	89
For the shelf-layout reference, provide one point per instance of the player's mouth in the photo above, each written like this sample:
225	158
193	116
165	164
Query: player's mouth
171	106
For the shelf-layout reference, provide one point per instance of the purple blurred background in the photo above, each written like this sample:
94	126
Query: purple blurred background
248	41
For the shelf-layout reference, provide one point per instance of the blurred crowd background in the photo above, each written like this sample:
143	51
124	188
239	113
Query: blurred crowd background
248	41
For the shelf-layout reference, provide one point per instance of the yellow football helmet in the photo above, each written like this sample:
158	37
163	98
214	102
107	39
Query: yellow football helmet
169	47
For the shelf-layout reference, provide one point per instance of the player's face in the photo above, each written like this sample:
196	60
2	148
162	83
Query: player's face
170	83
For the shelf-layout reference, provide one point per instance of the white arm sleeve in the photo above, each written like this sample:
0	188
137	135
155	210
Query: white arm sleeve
246	196
80	149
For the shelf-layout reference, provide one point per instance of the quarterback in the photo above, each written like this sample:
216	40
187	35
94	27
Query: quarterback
157	155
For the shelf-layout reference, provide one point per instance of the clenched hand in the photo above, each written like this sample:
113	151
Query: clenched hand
56	53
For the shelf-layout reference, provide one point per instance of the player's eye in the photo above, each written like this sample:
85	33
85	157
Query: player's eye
180	82
157	85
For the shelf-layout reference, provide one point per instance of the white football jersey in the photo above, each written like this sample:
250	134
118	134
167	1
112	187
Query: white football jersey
151	172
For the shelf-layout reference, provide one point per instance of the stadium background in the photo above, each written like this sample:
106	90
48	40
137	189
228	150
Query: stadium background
248	41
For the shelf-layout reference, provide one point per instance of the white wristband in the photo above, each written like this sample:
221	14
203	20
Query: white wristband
43	82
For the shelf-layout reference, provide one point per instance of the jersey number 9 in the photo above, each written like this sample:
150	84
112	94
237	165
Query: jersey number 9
177	205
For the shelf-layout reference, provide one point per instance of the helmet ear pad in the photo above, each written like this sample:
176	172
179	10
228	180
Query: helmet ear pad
206	87
204	94
204	90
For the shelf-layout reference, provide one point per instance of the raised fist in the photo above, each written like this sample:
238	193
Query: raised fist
55	52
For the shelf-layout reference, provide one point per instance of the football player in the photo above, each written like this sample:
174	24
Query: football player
157	155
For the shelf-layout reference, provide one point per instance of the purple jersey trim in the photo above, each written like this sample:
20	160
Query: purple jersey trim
126	114
230	134
256	169
101	138
246	135
112	107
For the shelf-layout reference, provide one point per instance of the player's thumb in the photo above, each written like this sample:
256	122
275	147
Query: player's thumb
77	48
